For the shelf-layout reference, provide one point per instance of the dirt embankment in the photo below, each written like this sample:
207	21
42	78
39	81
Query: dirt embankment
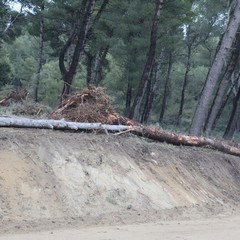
57	179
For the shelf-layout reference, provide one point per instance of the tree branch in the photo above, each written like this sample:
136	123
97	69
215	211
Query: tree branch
12	22
96	19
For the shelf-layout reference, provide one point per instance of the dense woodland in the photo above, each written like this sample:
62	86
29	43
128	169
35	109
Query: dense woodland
169	63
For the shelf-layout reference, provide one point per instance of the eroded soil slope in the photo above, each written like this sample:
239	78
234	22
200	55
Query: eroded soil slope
54	179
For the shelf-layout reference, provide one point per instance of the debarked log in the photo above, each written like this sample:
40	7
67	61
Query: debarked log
137	129
57	124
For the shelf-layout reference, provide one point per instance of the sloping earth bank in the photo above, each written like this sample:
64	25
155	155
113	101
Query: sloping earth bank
51	179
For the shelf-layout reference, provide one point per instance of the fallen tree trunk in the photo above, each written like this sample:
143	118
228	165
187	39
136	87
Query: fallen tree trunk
179	139
130	126
57	124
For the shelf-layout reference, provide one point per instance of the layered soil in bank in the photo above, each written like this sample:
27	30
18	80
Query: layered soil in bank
53	179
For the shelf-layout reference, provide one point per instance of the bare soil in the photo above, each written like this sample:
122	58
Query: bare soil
221	228
52	179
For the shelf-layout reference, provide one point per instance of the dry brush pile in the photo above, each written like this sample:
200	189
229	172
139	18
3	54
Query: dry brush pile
90	105
17	103
15	96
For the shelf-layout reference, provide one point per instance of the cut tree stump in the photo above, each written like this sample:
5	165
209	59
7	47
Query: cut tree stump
125	125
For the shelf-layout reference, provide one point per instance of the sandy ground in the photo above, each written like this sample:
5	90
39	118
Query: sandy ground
88	184
208	229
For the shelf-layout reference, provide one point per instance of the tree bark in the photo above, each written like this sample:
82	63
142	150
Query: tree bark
223	105
101	64
151	91
224	85
232	124
152	88
95	68
185	82
98	65
128	98
89	67
148	101
40	55
135	111
214	73
166	90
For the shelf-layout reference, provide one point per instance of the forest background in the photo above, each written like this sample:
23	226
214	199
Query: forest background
169	63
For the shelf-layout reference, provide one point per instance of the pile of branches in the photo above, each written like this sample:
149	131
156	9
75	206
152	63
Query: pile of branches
90	105
16	96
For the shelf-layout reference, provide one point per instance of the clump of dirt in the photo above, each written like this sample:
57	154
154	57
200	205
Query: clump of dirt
89	105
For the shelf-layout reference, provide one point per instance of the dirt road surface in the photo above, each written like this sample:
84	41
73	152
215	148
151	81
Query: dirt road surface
210	229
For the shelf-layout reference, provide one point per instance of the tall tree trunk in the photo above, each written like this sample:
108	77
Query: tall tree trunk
232	124
64	50
166	90
135	111
185	82
128	98
101	64
68	43
149	97
214	73
95	68
89	67
238	125
223	105
98	65
224	85
81	38
152	89
40	55
154	85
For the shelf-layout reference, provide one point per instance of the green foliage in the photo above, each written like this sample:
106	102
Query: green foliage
129	43
4	73
50	84
22	59
114	85
12	22
5	69
124	28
